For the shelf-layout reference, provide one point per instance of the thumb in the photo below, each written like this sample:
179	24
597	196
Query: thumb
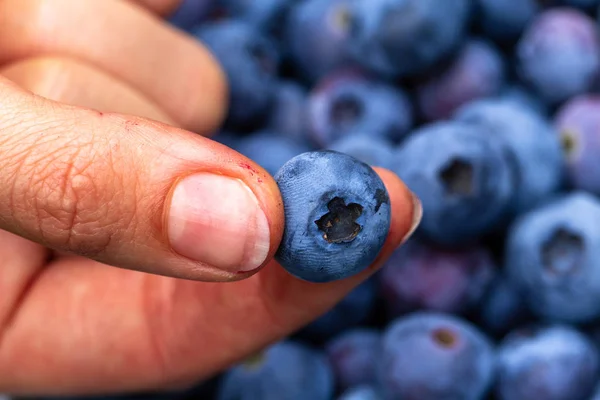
131	192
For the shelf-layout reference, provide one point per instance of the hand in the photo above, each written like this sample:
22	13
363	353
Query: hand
96	169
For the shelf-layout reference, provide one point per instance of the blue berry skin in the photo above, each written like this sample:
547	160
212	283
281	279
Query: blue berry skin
399	38
337	213
289	113
505	20
363	392
432	356
420	276
477	71
350	312
353	356
503	308
578	123
552	256
533	142
270	150
190	13
559	54
285	371
349	103
317	36
583	4
551	363
463	177
250	61
374	151
523	97
265	15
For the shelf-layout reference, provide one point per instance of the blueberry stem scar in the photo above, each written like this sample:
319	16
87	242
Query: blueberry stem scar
339	224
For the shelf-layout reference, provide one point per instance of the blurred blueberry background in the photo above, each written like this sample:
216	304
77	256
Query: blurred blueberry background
490	112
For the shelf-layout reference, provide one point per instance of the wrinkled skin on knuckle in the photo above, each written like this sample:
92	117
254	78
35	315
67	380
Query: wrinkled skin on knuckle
70	192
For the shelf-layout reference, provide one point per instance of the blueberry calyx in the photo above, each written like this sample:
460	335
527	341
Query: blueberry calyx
562	252
457	177
339	224
345	111
444	337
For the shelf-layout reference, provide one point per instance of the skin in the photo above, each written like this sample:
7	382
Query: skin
97	103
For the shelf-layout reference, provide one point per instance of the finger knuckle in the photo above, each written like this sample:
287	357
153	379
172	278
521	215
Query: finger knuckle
66	195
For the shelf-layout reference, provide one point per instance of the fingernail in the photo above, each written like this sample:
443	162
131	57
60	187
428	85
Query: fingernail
416	217
217	220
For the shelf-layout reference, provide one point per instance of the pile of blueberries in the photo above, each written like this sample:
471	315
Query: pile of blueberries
489	112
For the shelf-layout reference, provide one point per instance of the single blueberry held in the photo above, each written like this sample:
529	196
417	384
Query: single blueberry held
551	363
337	216
463	176
374	151
354	309
251	62
317	34
432	356
270	150
578	123
552	256
285	371
420	276
532	141
363	392
505	20
405	37
559	54
353	356
477	71
347	103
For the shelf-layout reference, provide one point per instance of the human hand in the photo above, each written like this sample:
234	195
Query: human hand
86	182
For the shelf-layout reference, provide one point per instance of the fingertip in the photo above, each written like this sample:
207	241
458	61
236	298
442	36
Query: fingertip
406	211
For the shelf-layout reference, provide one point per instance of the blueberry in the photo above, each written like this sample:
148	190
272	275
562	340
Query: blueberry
551	255
353	356
349	103
317	35
190	13
503	307
250	61
596	395
559	54
337	216
265	15
406	37
432	356
290	111
505	20
533	143
420	276
363	392
523	97
353	310
551	363
463	177
285	371
270	150
477	71
578	122
374	151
